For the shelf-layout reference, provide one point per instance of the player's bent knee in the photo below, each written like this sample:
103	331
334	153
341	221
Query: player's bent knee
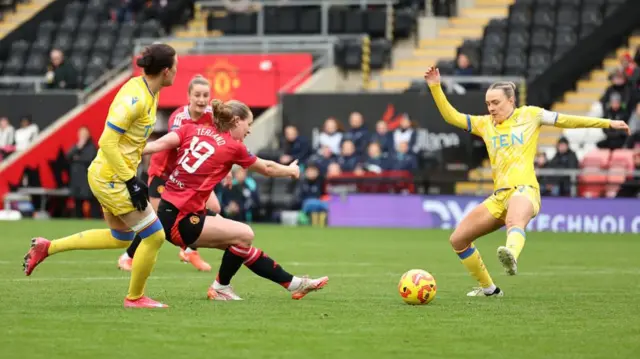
459	240
246	236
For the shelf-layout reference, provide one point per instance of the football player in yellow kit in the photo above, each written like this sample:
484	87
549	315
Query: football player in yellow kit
511	136
113	181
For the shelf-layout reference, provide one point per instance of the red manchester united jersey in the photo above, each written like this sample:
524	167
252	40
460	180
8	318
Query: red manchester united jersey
205	157
162	163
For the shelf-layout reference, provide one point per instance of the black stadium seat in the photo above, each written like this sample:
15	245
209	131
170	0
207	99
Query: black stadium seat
538	32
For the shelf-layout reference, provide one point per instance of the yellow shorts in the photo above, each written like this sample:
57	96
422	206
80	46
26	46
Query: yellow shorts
113	196
498	202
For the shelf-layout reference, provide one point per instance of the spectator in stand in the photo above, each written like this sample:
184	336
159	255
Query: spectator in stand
242	199
126	10
621	86
465	68
60	74
358	134
630	69
26	134
546	188
376	161
322	159
309	192
7	133
634	126
616	110
564	158
383	137
631	187
294	146
331	135
80	157
349	159
405	133
333	170
403	159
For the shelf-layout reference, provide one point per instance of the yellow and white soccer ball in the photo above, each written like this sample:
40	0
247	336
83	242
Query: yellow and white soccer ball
417	287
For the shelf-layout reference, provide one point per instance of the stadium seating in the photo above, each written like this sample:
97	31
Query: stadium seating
306	20
89	39
14	12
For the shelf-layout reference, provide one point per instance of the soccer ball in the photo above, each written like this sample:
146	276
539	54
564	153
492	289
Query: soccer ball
417	287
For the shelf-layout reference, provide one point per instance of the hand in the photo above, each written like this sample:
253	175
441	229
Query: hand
139	193
432	76
620	125
295	169
285	159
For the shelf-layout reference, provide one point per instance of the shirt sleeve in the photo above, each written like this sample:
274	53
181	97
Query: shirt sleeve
550	118
466	122
124	110
245	158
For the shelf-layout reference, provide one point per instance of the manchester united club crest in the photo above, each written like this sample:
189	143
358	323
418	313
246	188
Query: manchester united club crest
160	189
223	75
194	219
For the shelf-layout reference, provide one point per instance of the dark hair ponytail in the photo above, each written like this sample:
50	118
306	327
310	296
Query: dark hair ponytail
156	58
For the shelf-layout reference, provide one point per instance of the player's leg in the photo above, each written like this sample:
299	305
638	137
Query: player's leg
156	187
116	236
191	255
219	232
148	227
479	222
522	206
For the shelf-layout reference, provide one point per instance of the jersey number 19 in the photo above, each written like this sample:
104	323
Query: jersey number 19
199	151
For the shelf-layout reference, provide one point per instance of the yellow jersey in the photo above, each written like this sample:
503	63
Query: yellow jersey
513	144
131	120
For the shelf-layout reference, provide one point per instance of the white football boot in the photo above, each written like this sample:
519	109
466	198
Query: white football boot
479	292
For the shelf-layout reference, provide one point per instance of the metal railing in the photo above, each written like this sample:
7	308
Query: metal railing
557	173
259	8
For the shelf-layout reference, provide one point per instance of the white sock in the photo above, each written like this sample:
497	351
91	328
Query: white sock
188	250
126	255
217	285
489	290
296	282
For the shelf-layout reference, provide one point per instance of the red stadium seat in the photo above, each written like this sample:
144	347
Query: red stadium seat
596	158
620	166
593	184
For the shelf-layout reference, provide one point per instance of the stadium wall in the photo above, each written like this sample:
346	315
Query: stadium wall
43	108
557	214
564	73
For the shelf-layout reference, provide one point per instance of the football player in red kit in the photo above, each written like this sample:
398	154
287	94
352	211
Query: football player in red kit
162	163
205	156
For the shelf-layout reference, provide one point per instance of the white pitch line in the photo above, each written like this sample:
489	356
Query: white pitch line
338	276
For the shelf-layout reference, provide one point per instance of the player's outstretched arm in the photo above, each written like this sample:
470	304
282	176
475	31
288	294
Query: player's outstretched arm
167	142
571	121
448	112
274	169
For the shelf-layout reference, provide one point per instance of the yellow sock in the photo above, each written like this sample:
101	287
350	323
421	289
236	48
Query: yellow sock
515	240
323	219
145	260
314	219
92	239
472	260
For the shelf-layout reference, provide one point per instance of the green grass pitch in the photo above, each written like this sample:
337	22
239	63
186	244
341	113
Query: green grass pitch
577	296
